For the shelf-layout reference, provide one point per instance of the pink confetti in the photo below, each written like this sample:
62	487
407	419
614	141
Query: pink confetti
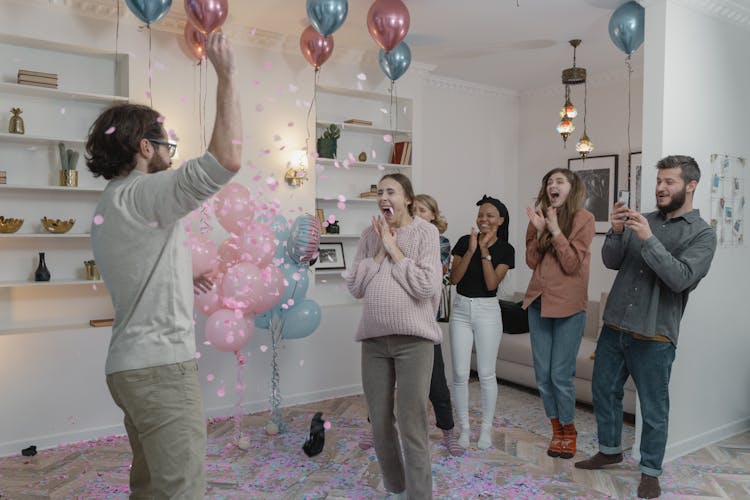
110	130
292	88
62	111
351	158
197	355
276	137
210	377
373	155
388	138
183	100
290	302
361	77
302	362
252	31
341	197
160	119
236	142
327	425
331	219
290	124
221	392
98	219
258	108
341	205
384	111
268	66
296	276
263	348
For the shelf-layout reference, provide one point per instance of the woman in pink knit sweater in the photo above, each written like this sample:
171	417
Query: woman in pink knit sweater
558	242
397	271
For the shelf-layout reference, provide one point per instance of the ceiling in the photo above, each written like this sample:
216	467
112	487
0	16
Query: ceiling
492	42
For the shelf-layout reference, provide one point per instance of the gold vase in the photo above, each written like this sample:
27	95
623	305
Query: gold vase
15	126
92	273
69	178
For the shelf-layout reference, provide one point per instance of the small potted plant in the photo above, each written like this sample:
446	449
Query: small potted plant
68	161
327	141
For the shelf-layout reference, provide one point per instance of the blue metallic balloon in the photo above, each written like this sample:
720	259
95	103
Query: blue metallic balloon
626	27
326	16
149	11
395	63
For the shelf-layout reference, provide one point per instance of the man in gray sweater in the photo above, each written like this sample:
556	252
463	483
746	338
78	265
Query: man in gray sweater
660	258
139	247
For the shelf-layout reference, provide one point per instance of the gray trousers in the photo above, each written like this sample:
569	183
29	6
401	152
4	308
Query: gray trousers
407	361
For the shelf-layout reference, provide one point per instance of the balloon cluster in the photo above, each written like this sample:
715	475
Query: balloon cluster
316	41
204	17
626	27
262	270
388	23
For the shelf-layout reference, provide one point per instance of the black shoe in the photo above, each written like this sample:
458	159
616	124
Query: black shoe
599	460
317	439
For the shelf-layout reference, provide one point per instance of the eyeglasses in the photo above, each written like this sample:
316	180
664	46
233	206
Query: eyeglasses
172	147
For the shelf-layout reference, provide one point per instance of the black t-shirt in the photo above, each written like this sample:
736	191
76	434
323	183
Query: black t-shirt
472	284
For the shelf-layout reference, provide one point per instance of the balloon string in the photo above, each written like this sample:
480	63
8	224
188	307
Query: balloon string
314	101
630	72
239	389
205	95
275	329
390	118
117	39
150	94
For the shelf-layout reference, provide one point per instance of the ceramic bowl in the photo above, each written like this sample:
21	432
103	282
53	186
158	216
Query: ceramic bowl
8	226
57	226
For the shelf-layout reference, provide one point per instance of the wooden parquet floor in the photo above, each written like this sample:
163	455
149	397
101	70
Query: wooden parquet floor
275	467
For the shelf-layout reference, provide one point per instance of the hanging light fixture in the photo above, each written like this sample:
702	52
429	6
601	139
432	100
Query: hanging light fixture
570	76
584	145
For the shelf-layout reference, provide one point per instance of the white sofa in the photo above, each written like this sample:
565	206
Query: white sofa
515	363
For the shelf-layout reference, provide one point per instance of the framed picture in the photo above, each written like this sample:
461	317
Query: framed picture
331	256
599	175
635	181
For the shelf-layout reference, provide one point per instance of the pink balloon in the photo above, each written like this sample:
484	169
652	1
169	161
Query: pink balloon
388	22
246	286
206	15
209	302
227	332
228	253
234	207
196	41
204	255
315	47
257	244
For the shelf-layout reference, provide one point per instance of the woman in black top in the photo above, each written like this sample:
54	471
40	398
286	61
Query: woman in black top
480	262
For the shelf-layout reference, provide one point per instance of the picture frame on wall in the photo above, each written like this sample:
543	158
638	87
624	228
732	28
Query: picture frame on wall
331	256
599	175
635	180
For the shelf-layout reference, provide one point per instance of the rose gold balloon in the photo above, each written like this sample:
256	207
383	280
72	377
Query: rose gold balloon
315	47
196	41
388	22
206	15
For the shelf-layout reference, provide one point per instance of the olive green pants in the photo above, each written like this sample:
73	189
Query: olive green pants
166	428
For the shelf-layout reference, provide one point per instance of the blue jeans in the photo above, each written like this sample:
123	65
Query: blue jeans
618	355
554	344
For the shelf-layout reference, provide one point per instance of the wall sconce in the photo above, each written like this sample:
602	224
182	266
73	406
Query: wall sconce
296	173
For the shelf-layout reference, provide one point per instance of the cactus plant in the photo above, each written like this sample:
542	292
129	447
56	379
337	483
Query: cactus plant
327	141
68	157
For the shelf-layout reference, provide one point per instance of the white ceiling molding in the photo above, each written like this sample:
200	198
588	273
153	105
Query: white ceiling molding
464	87
734	11
593	81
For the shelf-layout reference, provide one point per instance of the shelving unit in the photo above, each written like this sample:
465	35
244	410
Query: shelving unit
89	82
342	176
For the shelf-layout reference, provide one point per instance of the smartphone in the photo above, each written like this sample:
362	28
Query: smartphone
624	196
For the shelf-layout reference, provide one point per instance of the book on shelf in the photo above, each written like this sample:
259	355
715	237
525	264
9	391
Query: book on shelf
26	72
38	84
357	121
401	154
101	322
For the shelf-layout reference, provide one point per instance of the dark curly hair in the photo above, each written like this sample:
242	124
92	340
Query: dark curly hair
114	138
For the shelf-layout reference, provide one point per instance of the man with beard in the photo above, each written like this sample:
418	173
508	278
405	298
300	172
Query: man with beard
660	258
139	247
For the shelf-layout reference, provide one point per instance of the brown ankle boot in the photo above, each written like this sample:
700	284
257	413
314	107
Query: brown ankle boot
568	446
599	460
555	444
649	487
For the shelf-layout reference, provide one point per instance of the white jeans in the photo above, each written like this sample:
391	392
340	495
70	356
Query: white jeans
475	320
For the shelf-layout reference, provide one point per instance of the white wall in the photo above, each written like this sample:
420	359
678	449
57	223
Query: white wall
696	103
541	149
52	383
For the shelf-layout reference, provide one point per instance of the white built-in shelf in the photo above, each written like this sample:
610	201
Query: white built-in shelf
23	283
33	91
339	236
45	235
18	187
329	272
366	164
334	199
37	139
365	129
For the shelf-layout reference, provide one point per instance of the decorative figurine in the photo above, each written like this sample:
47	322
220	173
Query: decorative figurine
362	156
68	161
16	122
41	273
